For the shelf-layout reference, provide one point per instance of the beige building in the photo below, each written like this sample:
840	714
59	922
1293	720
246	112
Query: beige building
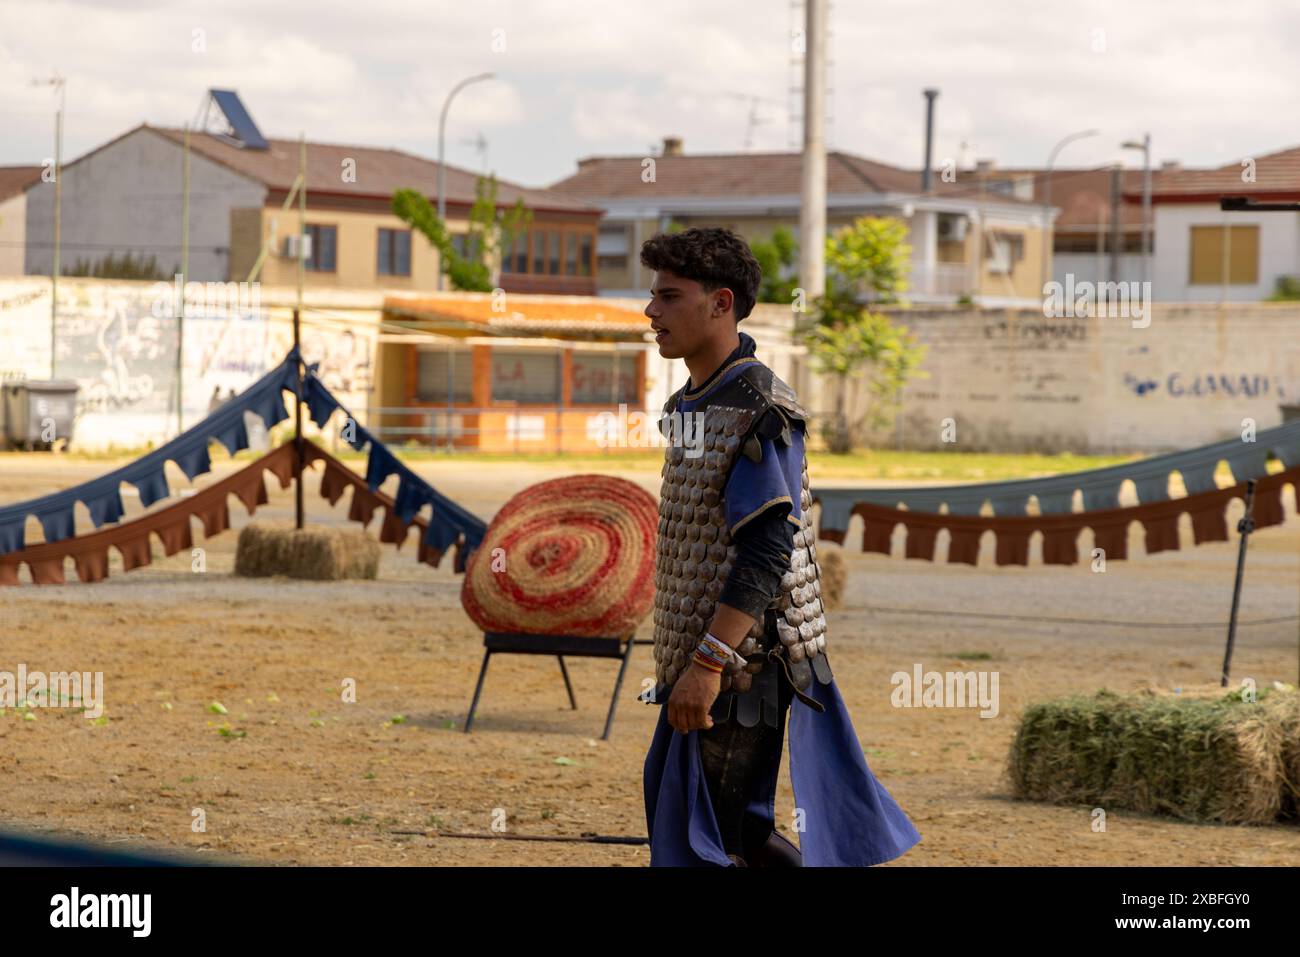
968	238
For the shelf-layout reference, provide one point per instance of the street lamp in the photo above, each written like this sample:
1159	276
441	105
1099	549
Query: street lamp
1049	228
59	84
442	174
1145	147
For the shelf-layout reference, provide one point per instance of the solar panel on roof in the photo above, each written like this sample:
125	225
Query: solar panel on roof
243	129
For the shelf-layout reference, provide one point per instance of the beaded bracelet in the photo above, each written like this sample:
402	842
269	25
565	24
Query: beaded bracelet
718	646
714	654
704	661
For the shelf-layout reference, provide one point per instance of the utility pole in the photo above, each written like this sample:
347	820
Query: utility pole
185	273
812	206
297	331
1116	188
59	83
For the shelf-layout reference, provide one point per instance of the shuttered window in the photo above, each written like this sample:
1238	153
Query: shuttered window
526	375
1213	247
439	370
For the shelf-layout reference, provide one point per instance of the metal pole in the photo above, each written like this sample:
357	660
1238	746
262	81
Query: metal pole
1049	226
930	94
58	222
297	333
1244	527
1116	188
185	272
442	176
812	205
1146	207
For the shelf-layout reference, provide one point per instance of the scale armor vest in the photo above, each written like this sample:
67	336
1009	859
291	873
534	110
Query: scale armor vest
695	552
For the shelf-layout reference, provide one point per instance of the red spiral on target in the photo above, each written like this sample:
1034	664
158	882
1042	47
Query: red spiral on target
571	556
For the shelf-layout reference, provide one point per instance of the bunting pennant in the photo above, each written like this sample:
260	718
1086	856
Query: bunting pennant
189	450
1098	488
1060	532
448	525
172	526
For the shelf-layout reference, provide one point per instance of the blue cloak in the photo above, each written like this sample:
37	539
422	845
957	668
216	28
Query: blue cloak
849	818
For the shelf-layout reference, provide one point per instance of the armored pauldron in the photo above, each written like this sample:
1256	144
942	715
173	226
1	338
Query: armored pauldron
695	551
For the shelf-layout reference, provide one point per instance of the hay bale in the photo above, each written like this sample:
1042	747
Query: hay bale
834	574
1201	759
316	552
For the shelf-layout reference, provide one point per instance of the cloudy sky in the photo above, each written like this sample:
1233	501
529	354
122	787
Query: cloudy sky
1212	81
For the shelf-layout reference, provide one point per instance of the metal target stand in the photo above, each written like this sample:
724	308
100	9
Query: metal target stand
522	643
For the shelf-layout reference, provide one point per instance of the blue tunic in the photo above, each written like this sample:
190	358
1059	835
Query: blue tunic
849	818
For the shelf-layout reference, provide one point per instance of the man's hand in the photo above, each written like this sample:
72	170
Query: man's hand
692	697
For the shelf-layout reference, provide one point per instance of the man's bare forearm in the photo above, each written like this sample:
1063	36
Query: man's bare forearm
731	625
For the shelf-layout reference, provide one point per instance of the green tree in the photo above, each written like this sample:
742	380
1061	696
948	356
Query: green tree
855	348
490	231
869	259
776	256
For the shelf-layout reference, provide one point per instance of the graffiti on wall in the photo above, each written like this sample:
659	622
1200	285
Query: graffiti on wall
122	357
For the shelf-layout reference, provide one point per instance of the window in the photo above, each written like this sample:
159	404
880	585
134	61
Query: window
438	370
612	247
458	244
605	378
521	253
508	252
1004	251
1214	247
571	254
584	256
324	241
539	252
526	375
556	239
394	252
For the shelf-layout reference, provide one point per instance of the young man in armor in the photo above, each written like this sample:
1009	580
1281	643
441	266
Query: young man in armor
739	628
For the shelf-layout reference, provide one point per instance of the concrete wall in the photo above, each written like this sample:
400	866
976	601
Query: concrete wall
127	197
13	232
113	342
1009	380
1013	380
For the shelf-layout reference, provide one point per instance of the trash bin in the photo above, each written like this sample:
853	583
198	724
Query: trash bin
31	406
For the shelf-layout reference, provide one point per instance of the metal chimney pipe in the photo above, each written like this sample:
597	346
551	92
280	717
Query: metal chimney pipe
929	139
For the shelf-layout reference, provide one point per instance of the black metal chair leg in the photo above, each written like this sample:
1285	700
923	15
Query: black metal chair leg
568	686
478	690
618	685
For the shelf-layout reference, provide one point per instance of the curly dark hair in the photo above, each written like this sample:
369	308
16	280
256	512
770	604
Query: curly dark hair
712	256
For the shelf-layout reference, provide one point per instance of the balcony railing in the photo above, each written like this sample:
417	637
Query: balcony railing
941	279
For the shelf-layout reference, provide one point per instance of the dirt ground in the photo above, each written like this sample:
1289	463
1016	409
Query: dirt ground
293	775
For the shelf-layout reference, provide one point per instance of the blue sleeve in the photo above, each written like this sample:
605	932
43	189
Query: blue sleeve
775	481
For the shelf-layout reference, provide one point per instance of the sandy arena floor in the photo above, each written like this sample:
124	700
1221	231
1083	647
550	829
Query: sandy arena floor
300	777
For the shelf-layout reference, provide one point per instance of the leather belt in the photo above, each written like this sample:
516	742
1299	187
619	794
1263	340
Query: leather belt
774	654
